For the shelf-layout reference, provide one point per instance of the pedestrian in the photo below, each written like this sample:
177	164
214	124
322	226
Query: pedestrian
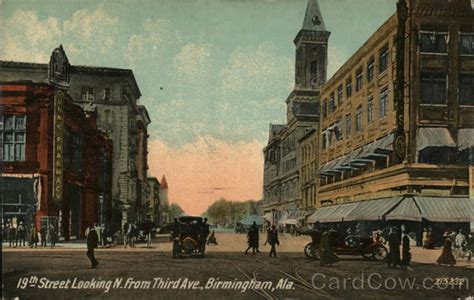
104	235
21	234
126	234
460	241
406	255
132	234
98	230
52	235
212	239
393	258
33	236
43	235
430	244
92	243
252	239
447	257
425	239
327	255
470	245
12	237
272	240
147	233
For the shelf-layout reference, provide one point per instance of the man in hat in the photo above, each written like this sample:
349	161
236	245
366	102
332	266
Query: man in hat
252	239
393	258
33	236
425	239
326	248
92	243
272	240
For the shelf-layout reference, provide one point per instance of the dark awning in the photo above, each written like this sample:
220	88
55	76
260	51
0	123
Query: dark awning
434	137
446	209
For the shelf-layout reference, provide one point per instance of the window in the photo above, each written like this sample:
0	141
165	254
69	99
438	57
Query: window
314	68
466	89
359	118
433	42
433	89
466	43
370	69
370	107
107	94
349	87
87	94
76	146
13	132
359	80
383	102
332	105
383	59
348	125
339	95
325	108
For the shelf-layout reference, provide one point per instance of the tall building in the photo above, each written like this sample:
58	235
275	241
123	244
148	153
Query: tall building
141	162
283	188
153	212
397	119
55	161
113	94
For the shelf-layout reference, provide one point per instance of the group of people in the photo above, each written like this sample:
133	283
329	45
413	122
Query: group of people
102	234
457	243
253	239
130	234
395	239
19	235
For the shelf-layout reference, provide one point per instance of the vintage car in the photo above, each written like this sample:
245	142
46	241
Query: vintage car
345	245
189	236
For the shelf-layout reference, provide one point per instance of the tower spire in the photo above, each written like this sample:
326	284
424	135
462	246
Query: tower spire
313	19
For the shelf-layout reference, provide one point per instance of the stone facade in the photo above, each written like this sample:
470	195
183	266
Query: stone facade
283	156
153	203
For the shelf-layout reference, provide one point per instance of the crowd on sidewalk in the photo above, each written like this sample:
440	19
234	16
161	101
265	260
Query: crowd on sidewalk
20	235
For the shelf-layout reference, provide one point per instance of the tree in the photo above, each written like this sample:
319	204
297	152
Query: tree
175	211
225	212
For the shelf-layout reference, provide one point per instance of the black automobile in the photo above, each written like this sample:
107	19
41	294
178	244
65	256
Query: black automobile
189	236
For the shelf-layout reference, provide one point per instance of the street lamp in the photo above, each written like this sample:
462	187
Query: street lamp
101	201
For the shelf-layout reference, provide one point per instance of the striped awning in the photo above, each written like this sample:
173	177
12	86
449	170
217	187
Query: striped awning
465	138
321	213
333	213
433	137
372	210
446	209
406	210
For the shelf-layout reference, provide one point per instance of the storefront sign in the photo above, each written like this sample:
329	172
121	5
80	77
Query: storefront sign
58	136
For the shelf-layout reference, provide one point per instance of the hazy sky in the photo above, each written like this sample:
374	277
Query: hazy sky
226	68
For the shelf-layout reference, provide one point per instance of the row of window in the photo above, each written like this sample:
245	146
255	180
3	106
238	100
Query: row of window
328	107
334	133
437	42
88	94
13	137
434	89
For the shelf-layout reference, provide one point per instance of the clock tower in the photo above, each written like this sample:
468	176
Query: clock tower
311	50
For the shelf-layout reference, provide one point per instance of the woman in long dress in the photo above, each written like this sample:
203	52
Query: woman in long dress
447	257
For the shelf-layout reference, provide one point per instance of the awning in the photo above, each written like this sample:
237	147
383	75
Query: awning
290	222
446	209
268	217
320	213
434	137
340	213
465	138
406	210
372	210
383	144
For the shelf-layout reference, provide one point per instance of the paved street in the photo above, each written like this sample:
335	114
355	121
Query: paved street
138	266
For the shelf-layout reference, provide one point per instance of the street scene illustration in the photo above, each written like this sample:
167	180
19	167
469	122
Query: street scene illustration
257	149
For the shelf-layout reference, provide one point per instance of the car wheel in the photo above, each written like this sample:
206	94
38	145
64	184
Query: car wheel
379	253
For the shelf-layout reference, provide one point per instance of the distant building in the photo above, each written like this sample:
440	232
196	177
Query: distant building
308	146
141	162
113	94
153	203
56	163
283	193
164	203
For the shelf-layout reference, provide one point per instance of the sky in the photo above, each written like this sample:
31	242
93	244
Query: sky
213	73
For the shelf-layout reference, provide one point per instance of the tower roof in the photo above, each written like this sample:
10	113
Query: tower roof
313	19
163	183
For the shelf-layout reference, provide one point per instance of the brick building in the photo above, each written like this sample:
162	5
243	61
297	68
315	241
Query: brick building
283	191
397	120
55	162
113	94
